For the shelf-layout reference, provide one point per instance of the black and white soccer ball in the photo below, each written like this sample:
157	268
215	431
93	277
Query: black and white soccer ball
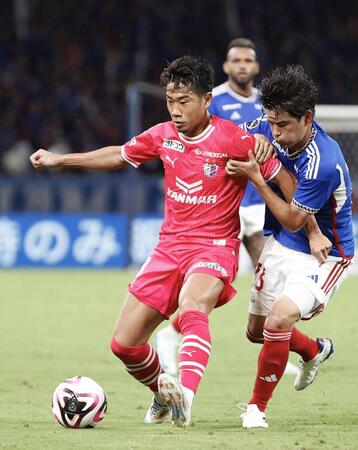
79	402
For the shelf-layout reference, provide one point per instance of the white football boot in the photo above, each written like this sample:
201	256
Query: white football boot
167	343
157	412
308	370
178	398
253	418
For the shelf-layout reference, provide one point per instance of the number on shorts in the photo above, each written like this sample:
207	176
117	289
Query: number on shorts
259	276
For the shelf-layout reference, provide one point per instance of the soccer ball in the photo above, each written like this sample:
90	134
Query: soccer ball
79	402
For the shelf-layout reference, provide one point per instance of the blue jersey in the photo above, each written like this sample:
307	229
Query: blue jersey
324	189
229	105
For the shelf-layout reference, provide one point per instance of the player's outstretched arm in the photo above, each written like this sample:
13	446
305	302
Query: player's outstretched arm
106	158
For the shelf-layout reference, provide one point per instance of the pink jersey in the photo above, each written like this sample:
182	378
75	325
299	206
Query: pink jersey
201	200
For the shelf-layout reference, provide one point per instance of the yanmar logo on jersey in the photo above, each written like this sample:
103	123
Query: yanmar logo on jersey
191	199
188	189
174	145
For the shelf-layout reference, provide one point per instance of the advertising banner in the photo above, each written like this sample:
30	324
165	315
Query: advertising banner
63	240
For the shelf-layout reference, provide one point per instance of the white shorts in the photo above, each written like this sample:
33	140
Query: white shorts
282	271
252	219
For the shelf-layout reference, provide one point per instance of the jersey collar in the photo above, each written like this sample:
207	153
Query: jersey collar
200	137
299	152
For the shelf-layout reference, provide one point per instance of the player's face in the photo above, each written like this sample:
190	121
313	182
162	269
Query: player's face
241	65
289	131
188	110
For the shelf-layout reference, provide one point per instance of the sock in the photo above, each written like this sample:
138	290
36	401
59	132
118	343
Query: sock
271	365
141	361
195	347
175	324
302	344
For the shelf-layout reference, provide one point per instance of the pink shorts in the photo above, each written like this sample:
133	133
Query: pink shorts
160	279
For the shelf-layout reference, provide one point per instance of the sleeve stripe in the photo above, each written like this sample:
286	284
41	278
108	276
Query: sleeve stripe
304	208
275	172
314	160
127	159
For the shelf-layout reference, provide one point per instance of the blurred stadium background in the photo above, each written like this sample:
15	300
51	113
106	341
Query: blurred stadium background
74	78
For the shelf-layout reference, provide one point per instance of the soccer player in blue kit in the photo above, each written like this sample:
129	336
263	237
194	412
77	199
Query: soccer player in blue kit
289	283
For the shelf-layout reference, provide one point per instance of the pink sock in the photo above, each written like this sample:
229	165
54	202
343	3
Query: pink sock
195	347
141	361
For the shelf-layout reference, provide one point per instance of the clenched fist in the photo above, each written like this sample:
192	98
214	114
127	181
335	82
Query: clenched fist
42	159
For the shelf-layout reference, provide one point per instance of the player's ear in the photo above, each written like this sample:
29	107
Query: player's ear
225	67
207	99
308	117
257	71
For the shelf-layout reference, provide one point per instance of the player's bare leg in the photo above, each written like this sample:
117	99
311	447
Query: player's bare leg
198	297
136	322
254	245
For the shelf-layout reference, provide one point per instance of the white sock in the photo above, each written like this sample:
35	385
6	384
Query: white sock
189	395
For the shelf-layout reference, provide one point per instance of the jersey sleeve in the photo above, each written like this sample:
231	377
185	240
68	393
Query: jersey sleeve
242	143
311	194
141	148
270	168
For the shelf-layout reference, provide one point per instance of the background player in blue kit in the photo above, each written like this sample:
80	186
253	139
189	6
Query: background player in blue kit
289	283
238	100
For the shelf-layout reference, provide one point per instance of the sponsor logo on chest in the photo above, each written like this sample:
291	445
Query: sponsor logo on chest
219	155
231	106
174	145
187	190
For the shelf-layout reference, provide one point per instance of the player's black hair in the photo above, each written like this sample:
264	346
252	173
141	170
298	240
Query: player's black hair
193	72
289	89
242	43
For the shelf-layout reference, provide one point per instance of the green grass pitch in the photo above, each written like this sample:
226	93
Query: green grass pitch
57	324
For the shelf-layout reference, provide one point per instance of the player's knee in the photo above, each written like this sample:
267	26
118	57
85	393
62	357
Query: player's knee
280	320
117	349
254	337
283	315
191	304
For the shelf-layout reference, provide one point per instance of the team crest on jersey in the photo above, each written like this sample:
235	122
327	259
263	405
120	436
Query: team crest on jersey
174	145
210	170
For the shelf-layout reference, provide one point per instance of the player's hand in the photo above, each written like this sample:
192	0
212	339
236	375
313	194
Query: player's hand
263	148
249	168
320	247
232	168
42	159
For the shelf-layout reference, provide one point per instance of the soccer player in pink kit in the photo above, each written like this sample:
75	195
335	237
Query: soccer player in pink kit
194	263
